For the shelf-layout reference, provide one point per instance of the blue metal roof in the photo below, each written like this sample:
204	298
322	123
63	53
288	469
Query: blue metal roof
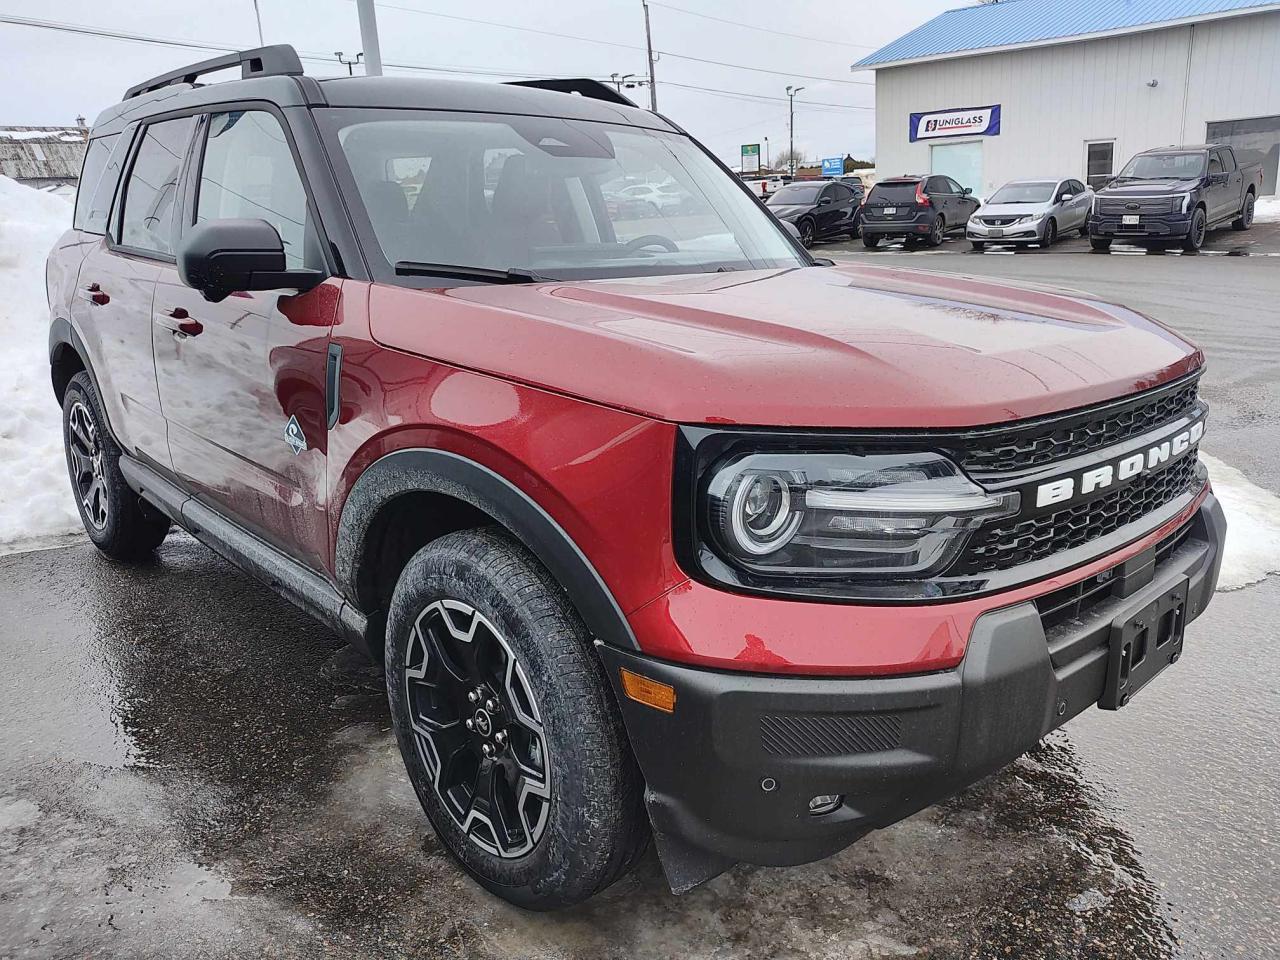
1014	22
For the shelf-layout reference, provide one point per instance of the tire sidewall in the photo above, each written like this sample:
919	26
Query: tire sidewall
1196	235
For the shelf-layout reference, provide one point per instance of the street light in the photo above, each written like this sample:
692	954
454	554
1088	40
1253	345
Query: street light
791	110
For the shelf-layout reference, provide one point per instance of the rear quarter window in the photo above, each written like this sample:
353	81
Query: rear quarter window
98	179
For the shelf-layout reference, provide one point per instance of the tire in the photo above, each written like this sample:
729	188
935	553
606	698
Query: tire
869	241
580	823
1050	234
1100	243
1195	236
115	518
978	245
1084	230
808	233
1245	221
937	233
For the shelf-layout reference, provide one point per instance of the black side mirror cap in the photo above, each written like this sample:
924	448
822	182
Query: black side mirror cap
221	257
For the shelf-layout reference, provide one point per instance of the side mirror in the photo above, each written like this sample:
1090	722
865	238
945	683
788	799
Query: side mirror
966	191
221	257
824	201
1065	197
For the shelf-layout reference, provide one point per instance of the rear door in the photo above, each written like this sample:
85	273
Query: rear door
945	197
112	310
240	379
845	202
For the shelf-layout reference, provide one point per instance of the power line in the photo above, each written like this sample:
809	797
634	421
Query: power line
765	97
769	30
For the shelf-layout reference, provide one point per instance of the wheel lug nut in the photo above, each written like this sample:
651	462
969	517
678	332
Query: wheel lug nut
471	724
487	750
473	696
500	738
490	705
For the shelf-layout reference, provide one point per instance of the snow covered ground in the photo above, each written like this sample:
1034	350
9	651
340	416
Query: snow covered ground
1267	210
35	498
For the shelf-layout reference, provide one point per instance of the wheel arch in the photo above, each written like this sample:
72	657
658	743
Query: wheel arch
408	498
66	356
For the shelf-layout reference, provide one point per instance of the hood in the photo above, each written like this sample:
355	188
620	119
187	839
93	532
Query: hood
845	347
1142	188
785	211
1013	209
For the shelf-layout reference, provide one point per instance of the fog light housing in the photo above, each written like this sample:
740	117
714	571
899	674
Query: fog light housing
824	803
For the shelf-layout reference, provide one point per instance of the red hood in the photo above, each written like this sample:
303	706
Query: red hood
836	347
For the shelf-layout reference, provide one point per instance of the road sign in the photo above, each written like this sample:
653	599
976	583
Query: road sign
751	158
832	166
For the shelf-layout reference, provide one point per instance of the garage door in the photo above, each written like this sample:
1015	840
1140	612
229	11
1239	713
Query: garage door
1257	138
962	162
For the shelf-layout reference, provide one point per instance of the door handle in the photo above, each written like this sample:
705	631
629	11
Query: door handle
95	295
183	324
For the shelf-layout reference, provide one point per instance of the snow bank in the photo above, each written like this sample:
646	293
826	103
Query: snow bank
35	497
1253	526
1267	210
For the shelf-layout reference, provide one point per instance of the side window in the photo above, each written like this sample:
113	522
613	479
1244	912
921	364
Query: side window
953	186
1215	162
152	190
248	172
844	193
93	180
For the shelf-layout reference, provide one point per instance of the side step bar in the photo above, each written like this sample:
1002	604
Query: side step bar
286	576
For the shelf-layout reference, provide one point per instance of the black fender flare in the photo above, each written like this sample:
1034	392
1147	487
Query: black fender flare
63	334
438	471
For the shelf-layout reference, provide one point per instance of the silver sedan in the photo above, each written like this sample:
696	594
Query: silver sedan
1031	211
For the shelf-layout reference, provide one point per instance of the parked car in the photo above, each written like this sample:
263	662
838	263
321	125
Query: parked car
1176	194
820	210
1031	211
916	208
764	186
655	198
710	536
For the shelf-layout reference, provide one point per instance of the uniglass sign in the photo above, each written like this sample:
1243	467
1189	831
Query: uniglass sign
958	122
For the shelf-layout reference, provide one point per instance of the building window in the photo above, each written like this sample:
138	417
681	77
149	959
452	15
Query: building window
1099	162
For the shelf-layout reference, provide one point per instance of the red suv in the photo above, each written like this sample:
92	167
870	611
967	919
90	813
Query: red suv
660	525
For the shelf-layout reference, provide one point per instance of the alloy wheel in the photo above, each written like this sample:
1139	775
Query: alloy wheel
87	470
806	233
477	728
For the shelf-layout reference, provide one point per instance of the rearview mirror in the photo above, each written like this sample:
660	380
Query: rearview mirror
221	257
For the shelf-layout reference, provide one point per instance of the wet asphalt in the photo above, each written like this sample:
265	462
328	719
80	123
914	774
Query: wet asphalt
191	768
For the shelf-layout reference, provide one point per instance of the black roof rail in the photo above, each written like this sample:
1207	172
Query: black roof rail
594	89
274	61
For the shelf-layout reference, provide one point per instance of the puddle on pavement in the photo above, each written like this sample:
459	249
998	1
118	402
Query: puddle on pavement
227	784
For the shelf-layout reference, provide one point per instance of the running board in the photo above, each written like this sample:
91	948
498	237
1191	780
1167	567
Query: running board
286	576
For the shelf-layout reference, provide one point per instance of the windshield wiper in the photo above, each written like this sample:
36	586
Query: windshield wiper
457	271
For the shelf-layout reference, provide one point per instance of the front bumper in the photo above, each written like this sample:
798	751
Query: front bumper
730	772
1014	233
1168	227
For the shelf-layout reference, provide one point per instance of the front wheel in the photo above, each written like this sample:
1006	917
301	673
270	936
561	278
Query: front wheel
1245	220
507	725
114	517
1050	234
1100	243
1195	236
807	233
978	245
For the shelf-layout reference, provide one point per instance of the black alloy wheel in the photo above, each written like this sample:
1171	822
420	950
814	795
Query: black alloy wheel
807	233
1195	236
1245	221
937	231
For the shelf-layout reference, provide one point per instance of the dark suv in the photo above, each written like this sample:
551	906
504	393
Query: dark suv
653	521
916	208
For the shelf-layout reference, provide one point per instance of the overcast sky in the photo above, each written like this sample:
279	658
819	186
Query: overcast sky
51	77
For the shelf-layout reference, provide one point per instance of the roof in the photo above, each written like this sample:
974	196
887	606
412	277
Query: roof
42	153
1011	24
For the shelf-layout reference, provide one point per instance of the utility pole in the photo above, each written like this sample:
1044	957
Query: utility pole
369	38
791	110
349	64
257	15
648	42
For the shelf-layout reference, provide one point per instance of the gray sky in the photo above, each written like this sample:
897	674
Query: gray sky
50	77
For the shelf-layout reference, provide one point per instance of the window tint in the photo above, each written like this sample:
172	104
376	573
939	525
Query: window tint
1215	162
843	193
894	191
153	185
95	181
248	172
937	185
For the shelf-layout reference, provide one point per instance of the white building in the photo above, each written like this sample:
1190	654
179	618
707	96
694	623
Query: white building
1073	88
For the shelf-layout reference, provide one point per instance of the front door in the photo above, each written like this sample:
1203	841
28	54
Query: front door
117	281
242	381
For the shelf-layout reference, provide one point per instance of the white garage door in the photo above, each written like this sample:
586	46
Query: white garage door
962	162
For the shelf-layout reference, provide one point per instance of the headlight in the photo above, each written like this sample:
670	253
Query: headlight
1186	202
834	515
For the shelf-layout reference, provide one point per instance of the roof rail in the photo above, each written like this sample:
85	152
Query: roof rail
594	89
274	61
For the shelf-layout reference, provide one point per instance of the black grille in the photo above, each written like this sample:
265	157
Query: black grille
999	221
1151	206
1033	446
829	735
1002	547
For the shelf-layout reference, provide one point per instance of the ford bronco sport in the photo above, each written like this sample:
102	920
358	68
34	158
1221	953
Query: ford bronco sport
661	527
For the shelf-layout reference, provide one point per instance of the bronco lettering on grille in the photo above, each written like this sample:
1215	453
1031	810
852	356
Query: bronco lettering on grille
1125	468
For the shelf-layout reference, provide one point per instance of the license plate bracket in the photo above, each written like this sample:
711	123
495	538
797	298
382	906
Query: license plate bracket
1143	642
1130	220
889	211
995	231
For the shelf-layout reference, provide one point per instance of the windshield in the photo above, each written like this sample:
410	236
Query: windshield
796	193
1025	192
1164	166
557	198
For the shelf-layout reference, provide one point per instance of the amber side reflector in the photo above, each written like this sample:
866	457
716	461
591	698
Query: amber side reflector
660	696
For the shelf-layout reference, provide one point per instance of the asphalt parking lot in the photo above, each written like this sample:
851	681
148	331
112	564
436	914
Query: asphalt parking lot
191	768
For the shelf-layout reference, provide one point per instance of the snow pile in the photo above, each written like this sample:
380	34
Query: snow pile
35	497
1267	210
1253	526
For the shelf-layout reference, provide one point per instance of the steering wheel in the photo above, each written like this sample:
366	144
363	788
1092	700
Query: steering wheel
651	240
